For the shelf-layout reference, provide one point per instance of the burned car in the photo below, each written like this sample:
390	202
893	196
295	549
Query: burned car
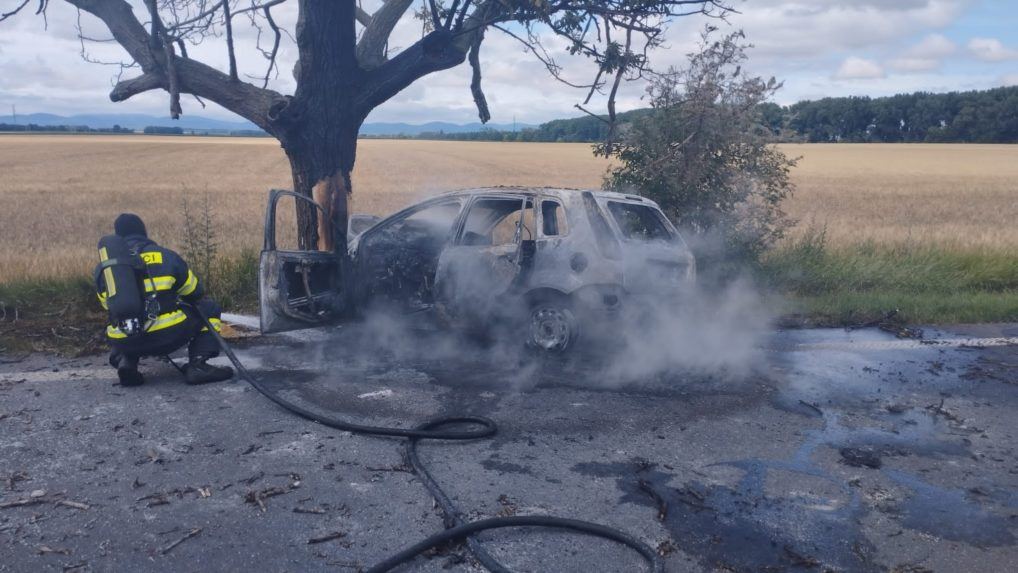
542	263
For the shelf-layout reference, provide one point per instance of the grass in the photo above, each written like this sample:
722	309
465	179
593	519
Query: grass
925	283
50	315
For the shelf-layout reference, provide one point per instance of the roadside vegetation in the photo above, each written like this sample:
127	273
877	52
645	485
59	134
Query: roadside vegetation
927	284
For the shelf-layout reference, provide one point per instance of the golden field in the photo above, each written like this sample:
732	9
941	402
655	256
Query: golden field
59	193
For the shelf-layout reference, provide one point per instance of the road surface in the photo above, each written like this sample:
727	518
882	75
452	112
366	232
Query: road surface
845	451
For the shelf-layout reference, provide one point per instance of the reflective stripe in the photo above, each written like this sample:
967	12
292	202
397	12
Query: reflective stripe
111	285
189	285
160	283
216	324
167	320
161	322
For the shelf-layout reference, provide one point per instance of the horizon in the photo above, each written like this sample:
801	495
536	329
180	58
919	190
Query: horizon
242	124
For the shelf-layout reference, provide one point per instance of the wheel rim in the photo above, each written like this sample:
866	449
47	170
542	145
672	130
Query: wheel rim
550	328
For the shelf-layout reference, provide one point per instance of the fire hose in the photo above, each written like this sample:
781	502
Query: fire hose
458	529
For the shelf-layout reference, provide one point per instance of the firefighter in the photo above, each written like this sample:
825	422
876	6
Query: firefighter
168	325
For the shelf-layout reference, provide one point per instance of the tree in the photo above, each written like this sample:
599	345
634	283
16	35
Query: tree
704	153
347	68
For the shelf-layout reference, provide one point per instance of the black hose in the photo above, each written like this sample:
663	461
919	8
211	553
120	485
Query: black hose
458	528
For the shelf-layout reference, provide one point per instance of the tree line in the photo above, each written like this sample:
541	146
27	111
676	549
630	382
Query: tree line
981	116
32	127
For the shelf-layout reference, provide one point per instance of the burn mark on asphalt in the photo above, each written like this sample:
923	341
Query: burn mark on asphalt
739	527
951	514
742	528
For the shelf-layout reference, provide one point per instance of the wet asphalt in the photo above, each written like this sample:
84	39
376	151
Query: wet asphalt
839	451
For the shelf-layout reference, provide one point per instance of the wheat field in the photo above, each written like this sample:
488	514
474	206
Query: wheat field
60	193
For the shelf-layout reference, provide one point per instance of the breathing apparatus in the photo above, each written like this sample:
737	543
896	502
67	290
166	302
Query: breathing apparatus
132	308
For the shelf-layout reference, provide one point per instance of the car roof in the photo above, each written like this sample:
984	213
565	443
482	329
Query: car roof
561	192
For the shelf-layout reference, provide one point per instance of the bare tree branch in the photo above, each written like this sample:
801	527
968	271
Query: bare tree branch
363	17
371	47
195	78
275	44
17	9
475	83
227	19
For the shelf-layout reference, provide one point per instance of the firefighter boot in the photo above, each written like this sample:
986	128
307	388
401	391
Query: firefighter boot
198	371
127	370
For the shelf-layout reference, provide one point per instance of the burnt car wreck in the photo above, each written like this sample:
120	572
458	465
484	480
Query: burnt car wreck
541	262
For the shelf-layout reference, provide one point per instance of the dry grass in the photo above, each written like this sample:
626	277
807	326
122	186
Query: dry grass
58	194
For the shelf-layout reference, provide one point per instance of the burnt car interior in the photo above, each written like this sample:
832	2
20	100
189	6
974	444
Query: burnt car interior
398	260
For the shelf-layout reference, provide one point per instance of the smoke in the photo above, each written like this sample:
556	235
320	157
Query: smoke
706	330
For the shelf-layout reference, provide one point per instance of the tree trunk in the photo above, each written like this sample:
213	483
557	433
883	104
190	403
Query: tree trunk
318	126
321	169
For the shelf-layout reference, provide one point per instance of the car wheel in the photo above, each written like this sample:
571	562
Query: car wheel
552	327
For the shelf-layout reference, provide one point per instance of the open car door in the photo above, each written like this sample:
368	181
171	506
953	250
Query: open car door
297	288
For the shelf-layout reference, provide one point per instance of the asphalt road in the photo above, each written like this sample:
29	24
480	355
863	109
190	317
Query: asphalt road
844	451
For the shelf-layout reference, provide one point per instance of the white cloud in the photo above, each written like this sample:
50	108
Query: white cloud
932	46
913	65
927	55
855	68
991	50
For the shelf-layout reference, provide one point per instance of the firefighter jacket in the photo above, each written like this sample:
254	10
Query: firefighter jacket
167	275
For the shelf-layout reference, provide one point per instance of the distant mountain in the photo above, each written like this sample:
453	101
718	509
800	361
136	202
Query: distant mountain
132	121
199	123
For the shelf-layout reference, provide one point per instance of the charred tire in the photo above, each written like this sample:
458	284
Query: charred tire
552	327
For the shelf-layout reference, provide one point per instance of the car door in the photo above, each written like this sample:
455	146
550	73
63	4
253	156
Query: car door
298	288
487	254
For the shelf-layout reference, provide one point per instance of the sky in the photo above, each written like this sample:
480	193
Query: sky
818	48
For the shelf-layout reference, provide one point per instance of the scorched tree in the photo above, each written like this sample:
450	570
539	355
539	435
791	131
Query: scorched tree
347	66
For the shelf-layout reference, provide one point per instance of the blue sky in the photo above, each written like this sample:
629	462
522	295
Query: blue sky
817	47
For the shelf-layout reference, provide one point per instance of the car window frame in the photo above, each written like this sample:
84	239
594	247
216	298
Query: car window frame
673	234
565	215
365	237
457	240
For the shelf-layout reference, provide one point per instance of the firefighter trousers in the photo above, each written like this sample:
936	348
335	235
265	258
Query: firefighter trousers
193	332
